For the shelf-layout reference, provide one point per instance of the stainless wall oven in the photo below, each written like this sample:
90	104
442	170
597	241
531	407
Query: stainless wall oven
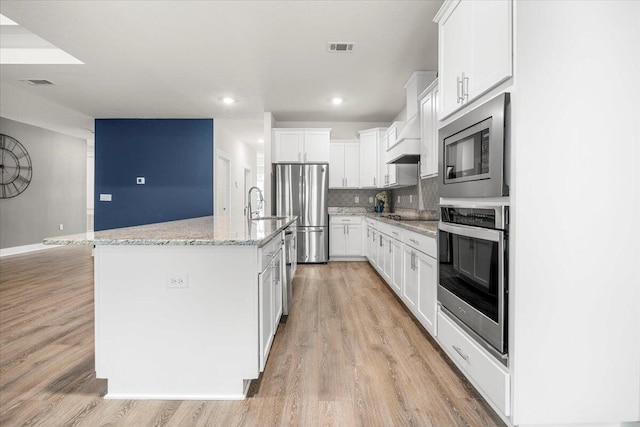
474	152
473	263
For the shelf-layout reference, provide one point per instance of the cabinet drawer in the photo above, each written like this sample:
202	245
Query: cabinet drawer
346	219
268	251
421	242
384	228
397	233
491	377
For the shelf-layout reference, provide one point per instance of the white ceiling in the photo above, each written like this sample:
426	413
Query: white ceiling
177	58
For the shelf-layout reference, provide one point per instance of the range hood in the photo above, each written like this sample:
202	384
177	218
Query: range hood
406	148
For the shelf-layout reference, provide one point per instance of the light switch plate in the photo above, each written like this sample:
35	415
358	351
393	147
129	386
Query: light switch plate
356	199
105	197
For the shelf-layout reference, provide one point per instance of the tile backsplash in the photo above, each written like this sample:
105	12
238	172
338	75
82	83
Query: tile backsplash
346	198
423	196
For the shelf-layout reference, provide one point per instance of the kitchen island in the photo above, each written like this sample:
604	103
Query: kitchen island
185	309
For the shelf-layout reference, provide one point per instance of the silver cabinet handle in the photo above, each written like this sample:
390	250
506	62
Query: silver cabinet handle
374	181
465	93
345	220
459	351
415	242
380	240
458	90
390	245
395	233
347	229
305	156
298	156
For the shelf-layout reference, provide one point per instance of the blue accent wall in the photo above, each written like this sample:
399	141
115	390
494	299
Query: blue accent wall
175	156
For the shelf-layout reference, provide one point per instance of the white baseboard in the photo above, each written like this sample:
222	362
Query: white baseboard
346	258
26	248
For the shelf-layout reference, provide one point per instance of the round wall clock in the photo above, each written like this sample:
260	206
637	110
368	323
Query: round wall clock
15	167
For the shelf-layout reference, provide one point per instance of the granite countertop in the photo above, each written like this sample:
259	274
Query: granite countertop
427	227
347	210
209	230
424	222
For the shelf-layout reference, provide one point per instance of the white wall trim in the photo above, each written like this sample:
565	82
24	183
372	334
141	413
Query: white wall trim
26	248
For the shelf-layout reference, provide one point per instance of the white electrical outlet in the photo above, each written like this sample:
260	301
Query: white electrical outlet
178	280
356	199
398	199
410	198
140	180
370	199
61	227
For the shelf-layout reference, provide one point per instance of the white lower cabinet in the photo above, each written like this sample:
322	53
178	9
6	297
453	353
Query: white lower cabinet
489	376
427	291
397	267
345	236
410	285
421	278
270	285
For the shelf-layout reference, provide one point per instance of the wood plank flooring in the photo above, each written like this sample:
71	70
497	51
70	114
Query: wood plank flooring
349	355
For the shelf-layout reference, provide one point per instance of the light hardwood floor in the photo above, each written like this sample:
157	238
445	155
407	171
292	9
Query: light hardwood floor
349	355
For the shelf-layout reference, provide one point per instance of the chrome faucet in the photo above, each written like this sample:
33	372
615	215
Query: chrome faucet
261	203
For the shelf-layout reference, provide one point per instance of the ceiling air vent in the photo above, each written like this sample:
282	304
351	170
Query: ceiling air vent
37	82
341	47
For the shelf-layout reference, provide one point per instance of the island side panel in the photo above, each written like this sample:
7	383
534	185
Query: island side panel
198	342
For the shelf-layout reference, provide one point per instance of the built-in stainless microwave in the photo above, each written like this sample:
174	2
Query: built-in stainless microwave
474	152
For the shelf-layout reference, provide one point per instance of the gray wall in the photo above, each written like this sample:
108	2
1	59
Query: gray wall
57	193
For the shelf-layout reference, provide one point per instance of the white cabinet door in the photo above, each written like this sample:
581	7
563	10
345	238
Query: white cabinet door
475	50
316	146
429	134
427	291
386	257
397	268
490	45
352	164
278	274
410	285
344	171
336	165
265	296
453	52
289	146
369	159
354	240
337	239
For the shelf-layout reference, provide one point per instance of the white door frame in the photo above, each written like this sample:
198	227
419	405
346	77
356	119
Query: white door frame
222	155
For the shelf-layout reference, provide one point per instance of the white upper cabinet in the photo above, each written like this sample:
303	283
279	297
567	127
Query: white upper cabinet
344	170
475	50
370	141
429	132
301	145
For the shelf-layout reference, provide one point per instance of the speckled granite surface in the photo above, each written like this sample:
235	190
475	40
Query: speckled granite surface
427	227
347	210
209	230
427	224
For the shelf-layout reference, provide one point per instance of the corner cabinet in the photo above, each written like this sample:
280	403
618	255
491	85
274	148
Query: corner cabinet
301	145
344	164
474	49
429	131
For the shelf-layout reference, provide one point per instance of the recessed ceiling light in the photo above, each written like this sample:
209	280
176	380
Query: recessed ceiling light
228	100
261	141
336	101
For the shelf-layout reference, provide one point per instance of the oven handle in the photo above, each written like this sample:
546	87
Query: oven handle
474	232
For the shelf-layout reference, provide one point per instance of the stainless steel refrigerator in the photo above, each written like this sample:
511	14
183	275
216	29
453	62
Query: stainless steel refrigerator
302	189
